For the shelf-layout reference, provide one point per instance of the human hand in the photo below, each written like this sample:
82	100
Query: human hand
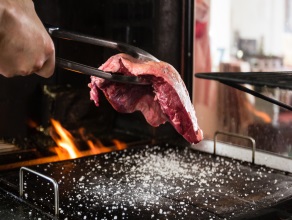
25	45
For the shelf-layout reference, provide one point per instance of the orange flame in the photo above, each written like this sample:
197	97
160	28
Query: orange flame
65	140
67	149
119	145
97	147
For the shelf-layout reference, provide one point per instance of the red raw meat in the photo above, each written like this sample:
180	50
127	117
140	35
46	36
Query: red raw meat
166	99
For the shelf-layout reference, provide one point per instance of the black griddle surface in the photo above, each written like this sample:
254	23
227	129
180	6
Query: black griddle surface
13	208
282	80
159	182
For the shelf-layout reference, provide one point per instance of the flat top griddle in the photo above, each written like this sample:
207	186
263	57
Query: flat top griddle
282	80
161	182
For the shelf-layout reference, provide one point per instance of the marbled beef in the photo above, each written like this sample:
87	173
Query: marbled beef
166	99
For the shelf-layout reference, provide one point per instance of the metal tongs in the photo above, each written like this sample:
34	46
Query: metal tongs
122	47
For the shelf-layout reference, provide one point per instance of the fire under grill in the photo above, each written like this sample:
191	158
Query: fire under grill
157	176
160	181
71	126
154	177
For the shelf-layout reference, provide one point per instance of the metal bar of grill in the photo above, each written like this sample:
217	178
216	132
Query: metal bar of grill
282	80
54	182
250	139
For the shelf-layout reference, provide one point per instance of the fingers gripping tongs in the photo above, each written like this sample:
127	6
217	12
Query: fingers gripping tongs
80	68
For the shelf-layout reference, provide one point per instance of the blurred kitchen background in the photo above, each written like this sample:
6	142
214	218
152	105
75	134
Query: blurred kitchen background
258	31
243	36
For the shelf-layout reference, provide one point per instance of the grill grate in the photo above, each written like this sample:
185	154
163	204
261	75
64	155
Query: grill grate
282	80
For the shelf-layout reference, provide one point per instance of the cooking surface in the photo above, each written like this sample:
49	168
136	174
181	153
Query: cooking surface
14	209
164	182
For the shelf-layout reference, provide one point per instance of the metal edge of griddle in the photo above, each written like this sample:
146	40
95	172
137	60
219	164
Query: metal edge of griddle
262	158
237	85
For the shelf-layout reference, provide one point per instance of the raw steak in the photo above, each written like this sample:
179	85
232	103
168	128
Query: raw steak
166	99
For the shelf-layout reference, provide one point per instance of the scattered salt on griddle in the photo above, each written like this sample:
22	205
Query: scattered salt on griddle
161	174
163	180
